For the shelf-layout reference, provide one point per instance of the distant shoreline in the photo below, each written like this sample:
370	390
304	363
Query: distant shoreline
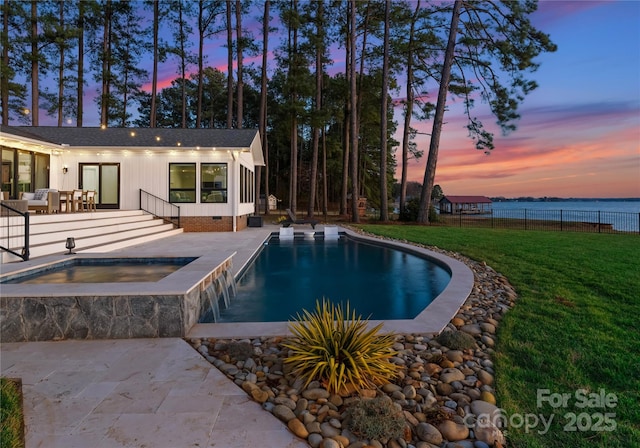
555	199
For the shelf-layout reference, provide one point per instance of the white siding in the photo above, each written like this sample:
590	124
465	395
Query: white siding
151	173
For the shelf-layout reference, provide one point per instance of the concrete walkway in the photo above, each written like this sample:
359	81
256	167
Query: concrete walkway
151	393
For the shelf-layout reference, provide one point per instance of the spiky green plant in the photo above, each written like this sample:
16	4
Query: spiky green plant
339	349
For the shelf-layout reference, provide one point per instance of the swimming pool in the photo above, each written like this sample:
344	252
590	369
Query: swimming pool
379	282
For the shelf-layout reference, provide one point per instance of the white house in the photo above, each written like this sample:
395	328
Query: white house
208	173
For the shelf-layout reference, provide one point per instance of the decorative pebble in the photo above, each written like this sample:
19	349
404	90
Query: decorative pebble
453	431
314	394
428	433
298	428
283	413
450	375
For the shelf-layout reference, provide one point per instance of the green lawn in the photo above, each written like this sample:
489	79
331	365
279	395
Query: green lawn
10	414
575	330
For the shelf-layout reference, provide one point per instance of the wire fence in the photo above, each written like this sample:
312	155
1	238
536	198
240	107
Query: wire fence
553	220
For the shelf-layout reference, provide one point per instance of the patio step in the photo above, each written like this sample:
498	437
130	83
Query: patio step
93	232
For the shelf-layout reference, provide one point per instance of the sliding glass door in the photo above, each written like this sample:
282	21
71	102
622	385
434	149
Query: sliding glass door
104	179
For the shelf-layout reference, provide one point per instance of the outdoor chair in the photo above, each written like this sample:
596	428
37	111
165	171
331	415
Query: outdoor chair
292	219
76	201
89	202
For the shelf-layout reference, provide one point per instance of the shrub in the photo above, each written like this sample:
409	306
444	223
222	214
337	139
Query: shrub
341	354
240	351
375	419
456	340
411	209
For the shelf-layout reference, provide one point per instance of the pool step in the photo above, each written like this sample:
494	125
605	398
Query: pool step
98	232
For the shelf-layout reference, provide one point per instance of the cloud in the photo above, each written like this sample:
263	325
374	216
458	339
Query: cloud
585	150
553	11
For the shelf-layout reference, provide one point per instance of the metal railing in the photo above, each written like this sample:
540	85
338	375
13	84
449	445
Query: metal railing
160	208
14	235
554	220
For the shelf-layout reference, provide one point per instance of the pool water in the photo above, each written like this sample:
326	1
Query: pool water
101	270
378	282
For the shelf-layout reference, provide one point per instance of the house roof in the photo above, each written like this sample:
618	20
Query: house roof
155	139
467	199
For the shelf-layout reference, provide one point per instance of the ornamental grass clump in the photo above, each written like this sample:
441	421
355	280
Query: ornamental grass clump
338	349
376	419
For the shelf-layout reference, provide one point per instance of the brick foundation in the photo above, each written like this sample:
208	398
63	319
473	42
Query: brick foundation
212	224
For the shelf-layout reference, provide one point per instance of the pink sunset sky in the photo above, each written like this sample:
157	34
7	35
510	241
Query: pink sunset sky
579	135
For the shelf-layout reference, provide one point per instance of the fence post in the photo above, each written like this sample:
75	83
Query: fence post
599	226
525	219
561	227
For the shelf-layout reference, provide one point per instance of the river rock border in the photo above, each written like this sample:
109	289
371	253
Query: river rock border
445	395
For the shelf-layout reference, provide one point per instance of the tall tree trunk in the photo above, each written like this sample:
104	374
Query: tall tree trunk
35	56
408	112
229	67
354	118
200	63
325	193
263	113
80	94
293	179
61	70
4	88
240	85
384	194
406	135
316	128
156	56
106	56
345	127
183	65
430	169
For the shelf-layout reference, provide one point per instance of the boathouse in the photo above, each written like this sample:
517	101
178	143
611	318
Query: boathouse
471	205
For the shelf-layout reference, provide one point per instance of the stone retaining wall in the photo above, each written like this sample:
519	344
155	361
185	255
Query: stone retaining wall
54	318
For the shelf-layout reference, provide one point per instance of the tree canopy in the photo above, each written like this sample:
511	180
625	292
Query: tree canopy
325	101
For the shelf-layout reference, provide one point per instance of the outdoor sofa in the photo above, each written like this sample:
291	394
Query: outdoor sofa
45	200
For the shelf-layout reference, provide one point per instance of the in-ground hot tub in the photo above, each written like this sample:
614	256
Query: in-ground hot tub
167	306
100	270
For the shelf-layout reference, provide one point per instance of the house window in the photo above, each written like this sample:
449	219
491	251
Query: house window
23	171
213	178
182	182
247	187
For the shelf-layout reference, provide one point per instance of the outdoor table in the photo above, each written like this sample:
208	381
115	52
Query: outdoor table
66	197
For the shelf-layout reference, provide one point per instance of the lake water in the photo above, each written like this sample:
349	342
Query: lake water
620	215
595	205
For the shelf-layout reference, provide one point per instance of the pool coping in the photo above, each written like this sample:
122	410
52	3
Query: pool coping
431	320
